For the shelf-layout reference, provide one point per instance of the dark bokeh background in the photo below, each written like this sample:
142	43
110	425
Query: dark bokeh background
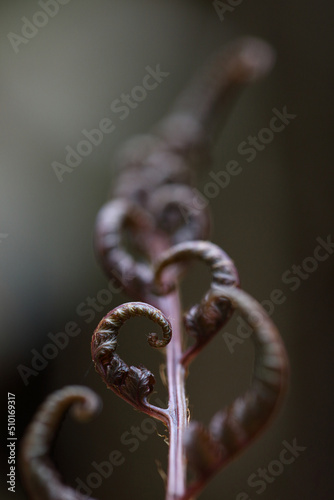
268	219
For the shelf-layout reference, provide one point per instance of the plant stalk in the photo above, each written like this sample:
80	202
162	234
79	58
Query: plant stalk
177	407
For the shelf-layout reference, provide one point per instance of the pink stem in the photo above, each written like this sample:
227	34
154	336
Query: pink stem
177	407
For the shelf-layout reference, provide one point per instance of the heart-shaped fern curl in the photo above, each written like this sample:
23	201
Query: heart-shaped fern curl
113	218
231	430
177	214
131	383
40	477
205	319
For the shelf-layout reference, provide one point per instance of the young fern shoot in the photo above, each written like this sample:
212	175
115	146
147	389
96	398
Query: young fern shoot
153	202
156	174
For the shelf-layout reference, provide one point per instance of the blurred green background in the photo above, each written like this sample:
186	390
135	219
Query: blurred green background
268	219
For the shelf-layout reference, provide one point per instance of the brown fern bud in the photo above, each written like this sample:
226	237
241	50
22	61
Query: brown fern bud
40	476
177	215
236	426
131	383
114	217
203	320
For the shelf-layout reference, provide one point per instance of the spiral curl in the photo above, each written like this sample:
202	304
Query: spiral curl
133	384
203	320
178	215
235	427
40	476
112	219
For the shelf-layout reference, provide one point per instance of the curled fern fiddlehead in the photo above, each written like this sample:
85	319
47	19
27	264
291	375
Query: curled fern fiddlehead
133	384
112	219
40	476
203	320
176	213
155	173
240	422
231	430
